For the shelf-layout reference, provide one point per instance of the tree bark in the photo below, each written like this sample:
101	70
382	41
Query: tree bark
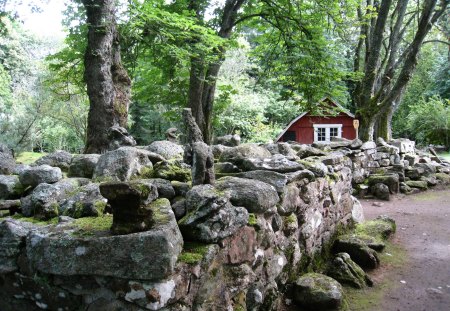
384	128
108	84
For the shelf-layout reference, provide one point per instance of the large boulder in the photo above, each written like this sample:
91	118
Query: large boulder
346	271
43	202
83	165
119	137
36	175
58	158
304	151
210	216
130	203
256	196
391	180
358	250
123	164
237	154
277	180
85	248
174	169
380	191
228	140
315	291
10	187
167	149
7	163
276	163
12	237
84	202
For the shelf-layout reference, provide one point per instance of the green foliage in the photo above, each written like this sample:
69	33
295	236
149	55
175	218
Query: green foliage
429	121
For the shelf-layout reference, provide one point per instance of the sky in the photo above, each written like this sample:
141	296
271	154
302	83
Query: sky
44	24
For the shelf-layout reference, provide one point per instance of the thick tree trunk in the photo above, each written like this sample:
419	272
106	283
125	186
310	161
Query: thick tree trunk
108	84
384	122
366	127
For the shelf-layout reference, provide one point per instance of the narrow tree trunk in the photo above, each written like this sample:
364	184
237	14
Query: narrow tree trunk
108	84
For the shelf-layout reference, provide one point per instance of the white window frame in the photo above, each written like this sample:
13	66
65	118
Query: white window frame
327	132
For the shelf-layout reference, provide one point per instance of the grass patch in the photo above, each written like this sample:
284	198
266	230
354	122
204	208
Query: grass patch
392	258
35	221
193	253
445	155
29	157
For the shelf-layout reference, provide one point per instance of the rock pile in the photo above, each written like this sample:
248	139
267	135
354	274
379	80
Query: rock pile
128	231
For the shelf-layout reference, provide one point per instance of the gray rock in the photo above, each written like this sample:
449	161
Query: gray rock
181	188
85	202
346	271
277	180
380	191
36	175
167	149
58	158
179	208
358	250
43	202
5	149
10	187
217	150
149	255
301	175
319	169
226	168
123	164
304	151
318	292
12	238
119	137
391	180
164	187
172	170
237	154
19	168
276	163
7	163
254	195
210	216
290	200
419	184
368	145
404	145
83	165
428	168
130	205
228	140
283	149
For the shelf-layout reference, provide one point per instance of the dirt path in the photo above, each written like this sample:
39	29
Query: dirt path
422	280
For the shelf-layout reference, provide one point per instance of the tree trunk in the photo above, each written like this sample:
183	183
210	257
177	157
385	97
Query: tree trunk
366	127
108	84
384	122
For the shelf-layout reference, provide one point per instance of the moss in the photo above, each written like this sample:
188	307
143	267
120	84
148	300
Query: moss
158	208
193	253
394	257
146	172
88	226
29	157
35	221
291	219
252	220
378	229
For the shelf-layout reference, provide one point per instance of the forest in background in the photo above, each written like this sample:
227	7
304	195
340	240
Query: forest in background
280	60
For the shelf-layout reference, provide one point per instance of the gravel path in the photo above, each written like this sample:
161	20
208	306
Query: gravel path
423	230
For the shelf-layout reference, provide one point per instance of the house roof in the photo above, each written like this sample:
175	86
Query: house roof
342	109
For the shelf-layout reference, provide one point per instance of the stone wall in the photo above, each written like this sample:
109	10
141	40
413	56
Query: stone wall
237	245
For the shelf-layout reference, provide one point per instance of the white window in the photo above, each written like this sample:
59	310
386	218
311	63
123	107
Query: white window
324	132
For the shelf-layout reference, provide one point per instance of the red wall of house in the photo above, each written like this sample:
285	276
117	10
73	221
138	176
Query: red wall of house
304	129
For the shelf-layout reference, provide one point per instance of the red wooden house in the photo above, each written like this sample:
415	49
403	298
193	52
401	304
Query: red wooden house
334	120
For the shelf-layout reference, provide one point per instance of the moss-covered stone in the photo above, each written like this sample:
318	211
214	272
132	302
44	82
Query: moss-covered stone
444	178
35	221
252	221
381	228
89	226
172	170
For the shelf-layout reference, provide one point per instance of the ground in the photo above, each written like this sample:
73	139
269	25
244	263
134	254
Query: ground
415	273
